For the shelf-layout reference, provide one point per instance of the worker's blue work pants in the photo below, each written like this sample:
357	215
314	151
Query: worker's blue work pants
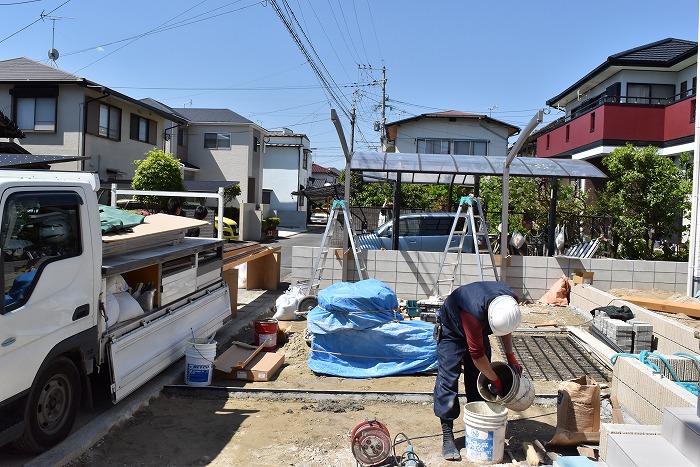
452	356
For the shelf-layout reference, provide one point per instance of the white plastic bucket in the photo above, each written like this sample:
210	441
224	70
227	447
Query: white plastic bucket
199	362
485	431
520	393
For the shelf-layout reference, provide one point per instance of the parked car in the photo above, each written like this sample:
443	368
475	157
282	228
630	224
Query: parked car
230	228
426	231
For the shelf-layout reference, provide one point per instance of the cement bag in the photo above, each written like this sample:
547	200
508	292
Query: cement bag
578	413
558	293
111	310
286	305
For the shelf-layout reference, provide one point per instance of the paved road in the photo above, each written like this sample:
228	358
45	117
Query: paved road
91	423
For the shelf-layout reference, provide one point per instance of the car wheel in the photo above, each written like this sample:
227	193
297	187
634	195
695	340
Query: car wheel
52	407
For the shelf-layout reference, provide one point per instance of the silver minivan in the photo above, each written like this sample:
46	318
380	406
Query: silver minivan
425	231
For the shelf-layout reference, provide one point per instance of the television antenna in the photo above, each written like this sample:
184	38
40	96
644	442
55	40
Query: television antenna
53	52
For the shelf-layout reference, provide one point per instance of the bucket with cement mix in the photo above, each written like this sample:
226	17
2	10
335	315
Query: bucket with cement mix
266	333
519	391
485	431
199	362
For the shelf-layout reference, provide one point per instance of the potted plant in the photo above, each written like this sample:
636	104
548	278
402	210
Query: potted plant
269	226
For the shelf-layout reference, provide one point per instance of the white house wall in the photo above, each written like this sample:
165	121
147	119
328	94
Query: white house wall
235	163
462	129
105	153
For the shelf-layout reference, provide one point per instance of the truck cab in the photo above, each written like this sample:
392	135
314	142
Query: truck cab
55	334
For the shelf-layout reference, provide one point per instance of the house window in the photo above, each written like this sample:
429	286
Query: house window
684	89
266	196
470	147
433	146
217	140
109	122
143	129
568	132
305	160
592	122
692	110
546	144
181	137
256	144
644	93
36	113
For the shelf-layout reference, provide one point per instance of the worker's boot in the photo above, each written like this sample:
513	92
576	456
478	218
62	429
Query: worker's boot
449	450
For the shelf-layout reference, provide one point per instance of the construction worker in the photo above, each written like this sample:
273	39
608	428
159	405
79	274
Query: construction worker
465	320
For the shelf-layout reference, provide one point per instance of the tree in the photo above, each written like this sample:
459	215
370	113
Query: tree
647	195
158	171
231	192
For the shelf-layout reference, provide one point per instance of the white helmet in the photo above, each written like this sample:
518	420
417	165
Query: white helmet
504	315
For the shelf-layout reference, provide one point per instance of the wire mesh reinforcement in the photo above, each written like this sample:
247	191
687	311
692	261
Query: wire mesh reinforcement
555	357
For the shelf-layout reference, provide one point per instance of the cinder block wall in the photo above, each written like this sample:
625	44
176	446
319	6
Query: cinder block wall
412	273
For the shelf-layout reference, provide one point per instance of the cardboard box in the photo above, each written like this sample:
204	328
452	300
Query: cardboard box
583	277
246	362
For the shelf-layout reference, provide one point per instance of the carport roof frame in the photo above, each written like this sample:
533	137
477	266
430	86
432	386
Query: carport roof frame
441	168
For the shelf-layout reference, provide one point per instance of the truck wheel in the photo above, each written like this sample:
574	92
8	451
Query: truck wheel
306	304
51	408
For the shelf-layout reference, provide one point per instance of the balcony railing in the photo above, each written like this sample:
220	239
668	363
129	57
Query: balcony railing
631	100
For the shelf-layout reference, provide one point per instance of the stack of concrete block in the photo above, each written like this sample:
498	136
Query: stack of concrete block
642	335
685	369
632	336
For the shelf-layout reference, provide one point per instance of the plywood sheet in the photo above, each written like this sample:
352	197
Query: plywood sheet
156	224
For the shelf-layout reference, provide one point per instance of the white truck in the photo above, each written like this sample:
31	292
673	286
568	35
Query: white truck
60	338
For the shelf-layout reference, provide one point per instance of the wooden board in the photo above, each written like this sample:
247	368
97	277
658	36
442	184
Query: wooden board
669	306
155	224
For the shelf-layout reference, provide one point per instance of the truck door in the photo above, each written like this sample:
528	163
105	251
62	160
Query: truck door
49	279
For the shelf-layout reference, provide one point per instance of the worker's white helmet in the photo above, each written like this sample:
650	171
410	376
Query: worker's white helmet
504	315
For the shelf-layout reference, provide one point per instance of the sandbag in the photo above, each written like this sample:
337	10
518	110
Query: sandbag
286	306
558	294
578	413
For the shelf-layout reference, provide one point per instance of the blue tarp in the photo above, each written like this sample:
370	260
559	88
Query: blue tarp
357	333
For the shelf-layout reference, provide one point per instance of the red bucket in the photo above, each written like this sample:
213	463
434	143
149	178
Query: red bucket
266	332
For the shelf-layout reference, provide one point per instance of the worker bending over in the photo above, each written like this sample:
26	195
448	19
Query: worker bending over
469	315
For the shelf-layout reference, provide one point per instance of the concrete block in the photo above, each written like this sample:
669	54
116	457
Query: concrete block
405	290
385	276
644	393
429	257
684	368
607	429
644	266
681	427
641	450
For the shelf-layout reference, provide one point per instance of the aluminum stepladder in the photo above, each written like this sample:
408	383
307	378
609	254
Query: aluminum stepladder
475	224
333	226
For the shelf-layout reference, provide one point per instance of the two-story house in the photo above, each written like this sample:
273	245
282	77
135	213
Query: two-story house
449	132
61	113
644	96
286	169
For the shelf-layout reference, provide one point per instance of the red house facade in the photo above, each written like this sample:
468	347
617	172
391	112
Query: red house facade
643	96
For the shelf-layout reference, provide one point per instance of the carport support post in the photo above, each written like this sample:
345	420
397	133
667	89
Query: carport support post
396	209
506	172
348	158
554	193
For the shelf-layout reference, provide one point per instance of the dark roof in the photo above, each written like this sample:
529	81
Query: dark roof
33	161
335	191
26	71
459	115
660	54
319	169
159	105
212	116
8	128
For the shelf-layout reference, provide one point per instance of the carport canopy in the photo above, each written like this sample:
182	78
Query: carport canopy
452	168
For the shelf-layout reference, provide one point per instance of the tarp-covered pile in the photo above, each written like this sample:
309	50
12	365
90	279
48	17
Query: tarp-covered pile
357	333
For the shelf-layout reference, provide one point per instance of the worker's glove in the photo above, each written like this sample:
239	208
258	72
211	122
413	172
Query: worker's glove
495	387
514	363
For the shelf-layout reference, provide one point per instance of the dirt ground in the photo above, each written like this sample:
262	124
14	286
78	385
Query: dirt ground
246	430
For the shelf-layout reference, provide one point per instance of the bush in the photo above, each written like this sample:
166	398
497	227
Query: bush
270	223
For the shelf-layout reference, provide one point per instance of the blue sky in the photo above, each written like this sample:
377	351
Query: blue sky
503	58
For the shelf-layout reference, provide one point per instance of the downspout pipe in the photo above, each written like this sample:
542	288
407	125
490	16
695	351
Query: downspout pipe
536	120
